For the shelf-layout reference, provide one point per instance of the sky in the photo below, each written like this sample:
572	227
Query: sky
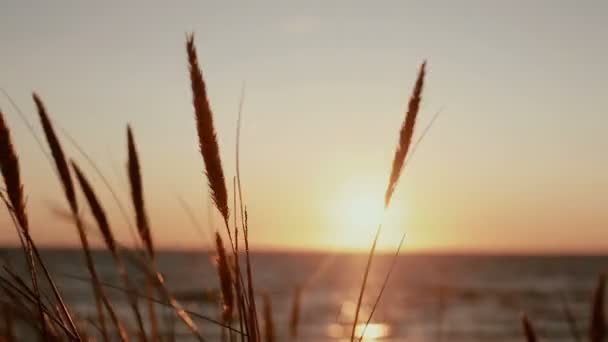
516	162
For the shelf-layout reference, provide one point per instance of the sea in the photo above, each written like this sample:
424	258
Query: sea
427	297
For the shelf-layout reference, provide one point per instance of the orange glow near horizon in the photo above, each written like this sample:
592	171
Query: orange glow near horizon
355	212
505	168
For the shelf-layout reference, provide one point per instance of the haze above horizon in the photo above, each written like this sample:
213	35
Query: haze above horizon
516	162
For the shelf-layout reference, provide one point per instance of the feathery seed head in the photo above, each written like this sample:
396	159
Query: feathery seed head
96	209
57	152
206	133
9	166
137	193
405	135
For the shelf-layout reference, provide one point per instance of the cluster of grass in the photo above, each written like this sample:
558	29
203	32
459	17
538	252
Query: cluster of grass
240	320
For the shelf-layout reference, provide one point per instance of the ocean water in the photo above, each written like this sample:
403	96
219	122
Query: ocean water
429	297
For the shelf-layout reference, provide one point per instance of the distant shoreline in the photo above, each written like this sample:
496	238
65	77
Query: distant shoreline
283	251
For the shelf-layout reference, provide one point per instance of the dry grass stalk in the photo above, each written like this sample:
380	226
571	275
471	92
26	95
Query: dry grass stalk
383	288
143	228
152	317
137	194
177	307
57	153
254	329
528	329
18	290
8	332
53	334
157	301
234	260
96	209
106	183
225	275
253	321
269	333
64	174
597	328
405	140
405	135
159	281
9	166
211	155
294	319
241	301
225	280
206	133
102	222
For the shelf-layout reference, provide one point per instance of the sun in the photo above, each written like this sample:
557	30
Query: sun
362	211
357	208
357	215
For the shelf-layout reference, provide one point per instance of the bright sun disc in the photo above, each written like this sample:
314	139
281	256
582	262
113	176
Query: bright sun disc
362	212
357	210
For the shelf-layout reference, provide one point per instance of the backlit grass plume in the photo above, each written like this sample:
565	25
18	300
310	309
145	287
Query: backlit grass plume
405	140
225	275
405	135
206	133
143	228
528	329
9	165
57	153
597	328
63	171
137	194
104	226
96	209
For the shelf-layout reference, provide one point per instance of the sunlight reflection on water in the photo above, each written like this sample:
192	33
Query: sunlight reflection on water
374	331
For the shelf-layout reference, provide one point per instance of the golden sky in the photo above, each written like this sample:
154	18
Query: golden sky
516	162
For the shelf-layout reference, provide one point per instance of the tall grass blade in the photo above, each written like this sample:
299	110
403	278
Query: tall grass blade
225	276
528	329
269	333
405	135
104	226
141	218
206	133
9	165
63	171
137	194
403	146
9	323
383	288
597	327
296	307
254	325
155	300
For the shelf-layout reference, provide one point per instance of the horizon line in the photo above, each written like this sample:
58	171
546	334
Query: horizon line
599	252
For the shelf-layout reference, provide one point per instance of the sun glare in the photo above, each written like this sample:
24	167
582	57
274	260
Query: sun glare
373	331
357	209
362	211
357	213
